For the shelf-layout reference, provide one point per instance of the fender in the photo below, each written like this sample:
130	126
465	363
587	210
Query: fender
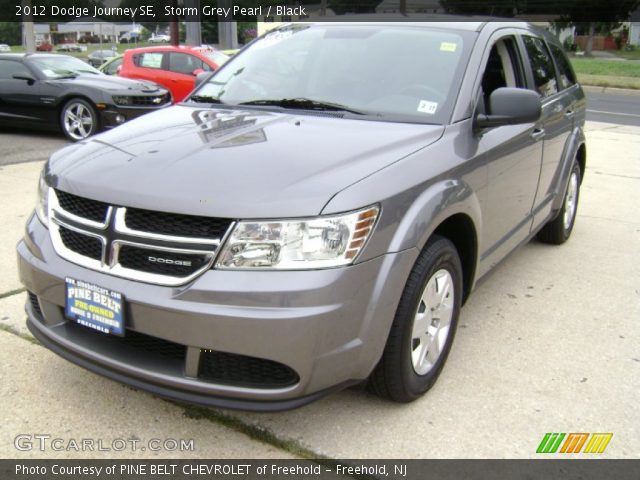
574	142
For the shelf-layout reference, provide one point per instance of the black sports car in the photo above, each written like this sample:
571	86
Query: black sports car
61	92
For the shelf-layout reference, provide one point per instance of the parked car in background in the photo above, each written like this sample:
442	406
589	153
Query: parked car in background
160	38
174	67
111	66
129	37
44	47
98	57
54	91
309	218
4	48
69	47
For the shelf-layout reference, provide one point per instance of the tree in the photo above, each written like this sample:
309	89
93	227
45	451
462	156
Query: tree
10	33
588	15
594	15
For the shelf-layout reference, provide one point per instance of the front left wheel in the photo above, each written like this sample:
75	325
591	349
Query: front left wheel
424	326
78	119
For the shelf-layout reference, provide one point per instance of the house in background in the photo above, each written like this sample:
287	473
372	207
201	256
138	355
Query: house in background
634	28
412	6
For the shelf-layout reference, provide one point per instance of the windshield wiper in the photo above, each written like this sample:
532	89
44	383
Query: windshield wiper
205	99
305	104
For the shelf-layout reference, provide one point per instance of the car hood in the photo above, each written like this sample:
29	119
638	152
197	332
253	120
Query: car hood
111	83
233	163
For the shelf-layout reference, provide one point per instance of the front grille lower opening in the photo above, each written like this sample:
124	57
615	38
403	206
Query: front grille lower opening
137	341
35	304
244	371
83	207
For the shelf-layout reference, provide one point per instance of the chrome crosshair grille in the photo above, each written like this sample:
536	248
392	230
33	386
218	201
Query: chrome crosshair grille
145	245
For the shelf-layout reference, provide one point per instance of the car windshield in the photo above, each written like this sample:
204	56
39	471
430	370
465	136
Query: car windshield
59	66
396	73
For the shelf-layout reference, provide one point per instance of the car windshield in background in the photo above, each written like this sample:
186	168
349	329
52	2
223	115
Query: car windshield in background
60	66
397	74
104	53
218	57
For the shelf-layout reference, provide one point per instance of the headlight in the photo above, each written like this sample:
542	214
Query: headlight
42	205
122	100
322	242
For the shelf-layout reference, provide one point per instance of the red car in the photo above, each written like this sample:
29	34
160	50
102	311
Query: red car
174	67
44	47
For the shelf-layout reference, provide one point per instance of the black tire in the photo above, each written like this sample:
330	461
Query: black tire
558	231
395	376
83	110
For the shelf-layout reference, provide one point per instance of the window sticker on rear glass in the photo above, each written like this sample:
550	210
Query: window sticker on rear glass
448	47
426	106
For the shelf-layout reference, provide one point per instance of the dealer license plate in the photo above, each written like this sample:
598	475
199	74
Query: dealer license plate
94	307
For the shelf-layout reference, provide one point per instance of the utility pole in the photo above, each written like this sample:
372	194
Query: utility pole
323	8
403	7
227	29
174	29
194	29
28	38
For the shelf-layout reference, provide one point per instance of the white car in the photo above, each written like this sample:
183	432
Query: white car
4	48
162	38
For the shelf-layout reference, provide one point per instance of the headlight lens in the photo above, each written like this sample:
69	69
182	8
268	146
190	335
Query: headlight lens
42	205
322	242
122	100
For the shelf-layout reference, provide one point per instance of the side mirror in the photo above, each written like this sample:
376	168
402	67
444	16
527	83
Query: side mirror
24	76
197	72
202	77
510	106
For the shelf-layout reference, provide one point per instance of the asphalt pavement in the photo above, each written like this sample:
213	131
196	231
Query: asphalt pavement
548	343
613	105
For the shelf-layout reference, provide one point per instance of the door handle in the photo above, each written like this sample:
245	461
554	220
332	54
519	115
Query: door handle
569	113
538	133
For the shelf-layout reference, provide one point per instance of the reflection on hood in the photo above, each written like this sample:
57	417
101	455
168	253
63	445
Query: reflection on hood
212	125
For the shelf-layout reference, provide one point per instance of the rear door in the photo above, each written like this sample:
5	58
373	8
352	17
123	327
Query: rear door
556	122
181	71
147	66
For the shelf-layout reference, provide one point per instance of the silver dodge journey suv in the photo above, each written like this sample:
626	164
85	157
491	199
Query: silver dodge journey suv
313	216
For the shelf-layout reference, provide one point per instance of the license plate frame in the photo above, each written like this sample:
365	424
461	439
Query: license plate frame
94	307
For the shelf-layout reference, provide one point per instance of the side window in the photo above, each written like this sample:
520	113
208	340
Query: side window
9	68
183	63
148	60
503	69
544	74
565	72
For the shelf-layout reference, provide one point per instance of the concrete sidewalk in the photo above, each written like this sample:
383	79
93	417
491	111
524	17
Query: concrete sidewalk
549	343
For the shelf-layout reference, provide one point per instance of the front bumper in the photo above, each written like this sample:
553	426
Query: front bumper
327	326
109	116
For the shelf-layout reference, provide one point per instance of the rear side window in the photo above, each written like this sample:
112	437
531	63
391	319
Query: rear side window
544	74
565	72
148	60
9	68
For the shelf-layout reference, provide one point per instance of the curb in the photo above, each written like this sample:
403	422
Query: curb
620	91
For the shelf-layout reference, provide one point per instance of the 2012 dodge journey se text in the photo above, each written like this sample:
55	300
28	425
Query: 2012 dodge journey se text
313	215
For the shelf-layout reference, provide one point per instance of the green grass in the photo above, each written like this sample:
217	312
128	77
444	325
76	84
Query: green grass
597	66
629	54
